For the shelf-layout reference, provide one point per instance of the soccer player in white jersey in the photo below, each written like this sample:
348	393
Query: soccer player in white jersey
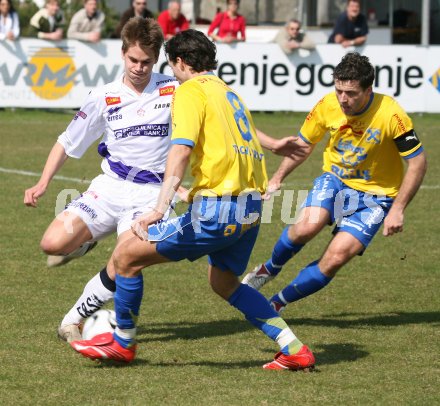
363	185
133	116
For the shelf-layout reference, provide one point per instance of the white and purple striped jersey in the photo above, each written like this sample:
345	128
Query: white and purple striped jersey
135	129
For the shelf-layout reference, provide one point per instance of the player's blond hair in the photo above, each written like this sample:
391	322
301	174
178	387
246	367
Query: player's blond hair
144	32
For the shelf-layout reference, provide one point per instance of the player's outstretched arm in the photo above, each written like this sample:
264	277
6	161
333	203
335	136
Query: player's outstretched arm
286	146
183	194
410	185
288	164
55	161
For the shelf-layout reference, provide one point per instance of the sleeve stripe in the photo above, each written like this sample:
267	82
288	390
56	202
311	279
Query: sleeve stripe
414	153
182	141
304	138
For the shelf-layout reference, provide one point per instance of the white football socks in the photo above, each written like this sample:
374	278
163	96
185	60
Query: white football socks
94	296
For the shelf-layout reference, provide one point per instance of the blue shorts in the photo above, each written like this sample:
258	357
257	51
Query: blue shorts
225	229
357	213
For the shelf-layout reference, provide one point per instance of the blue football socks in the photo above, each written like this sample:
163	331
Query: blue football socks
128	299
283	250
308	281
258	311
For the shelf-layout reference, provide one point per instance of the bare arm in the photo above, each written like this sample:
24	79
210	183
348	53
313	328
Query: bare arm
307	43
289	163
177	161
410	185
345	42
284	146
55	161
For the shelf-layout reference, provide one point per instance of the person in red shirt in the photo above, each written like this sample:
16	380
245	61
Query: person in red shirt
229	24
172	20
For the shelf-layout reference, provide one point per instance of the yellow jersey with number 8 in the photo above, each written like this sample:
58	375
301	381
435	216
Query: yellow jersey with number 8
227	157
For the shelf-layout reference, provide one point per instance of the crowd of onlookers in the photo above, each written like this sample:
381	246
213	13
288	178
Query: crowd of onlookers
228	26
86	24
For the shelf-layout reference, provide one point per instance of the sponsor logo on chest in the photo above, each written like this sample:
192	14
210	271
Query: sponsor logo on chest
166	91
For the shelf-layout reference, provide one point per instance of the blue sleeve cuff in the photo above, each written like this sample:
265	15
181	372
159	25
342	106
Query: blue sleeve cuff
414	154
182	141
304	138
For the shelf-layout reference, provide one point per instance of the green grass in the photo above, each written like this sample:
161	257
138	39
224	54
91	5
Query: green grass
374	329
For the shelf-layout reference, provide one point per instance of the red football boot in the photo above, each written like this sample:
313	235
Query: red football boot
302	360
105	347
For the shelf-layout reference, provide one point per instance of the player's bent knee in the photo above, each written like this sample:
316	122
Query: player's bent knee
334	260
123	264
304	232
51	245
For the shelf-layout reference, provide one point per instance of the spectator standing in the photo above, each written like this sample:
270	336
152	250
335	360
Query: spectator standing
138	9
351	27
9	23
47	22
291	37
87	23
172	20
229	24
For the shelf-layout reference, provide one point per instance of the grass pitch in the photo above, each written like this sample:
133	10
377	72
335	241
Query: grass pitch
374	329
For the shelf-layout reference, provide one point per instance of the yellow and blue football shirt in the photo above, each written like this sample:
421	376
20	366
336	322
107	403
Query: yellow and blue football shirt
227	157
361	150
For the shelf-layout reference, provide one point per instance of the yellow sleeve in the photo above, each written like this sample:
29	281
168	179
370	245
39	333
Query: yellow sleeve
400	122
188	114
314	126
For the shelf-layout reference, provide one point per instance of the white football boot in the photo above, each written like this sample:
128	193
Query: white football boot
258	277
58	260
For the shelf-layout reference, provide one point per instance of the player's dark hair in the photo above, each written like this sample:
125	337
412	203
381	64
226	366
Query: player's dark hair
194	48
355	66
145	32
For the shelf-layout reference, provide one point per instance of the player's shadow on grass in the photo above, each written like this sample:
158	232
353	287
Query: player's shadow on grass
367	320
192	330
208	363
328	354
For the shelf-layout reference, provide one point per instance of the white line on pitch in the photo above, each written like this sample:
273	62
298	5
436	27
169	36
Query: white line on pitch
37	175
59	177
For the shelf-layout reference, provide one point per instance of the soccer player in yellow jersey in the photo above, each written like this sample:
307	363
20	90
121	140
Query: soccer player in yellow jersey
214	133
363	184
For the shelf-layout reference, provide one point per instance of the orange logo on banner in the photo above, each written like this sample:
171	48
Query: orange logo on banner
164	91
51	67
112	100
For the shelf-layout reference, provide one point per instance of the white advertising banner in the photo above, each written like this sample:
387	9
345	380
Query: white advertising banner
38	73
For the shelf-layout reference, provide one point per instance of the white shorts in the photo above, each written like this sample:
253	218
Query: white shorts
111	204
